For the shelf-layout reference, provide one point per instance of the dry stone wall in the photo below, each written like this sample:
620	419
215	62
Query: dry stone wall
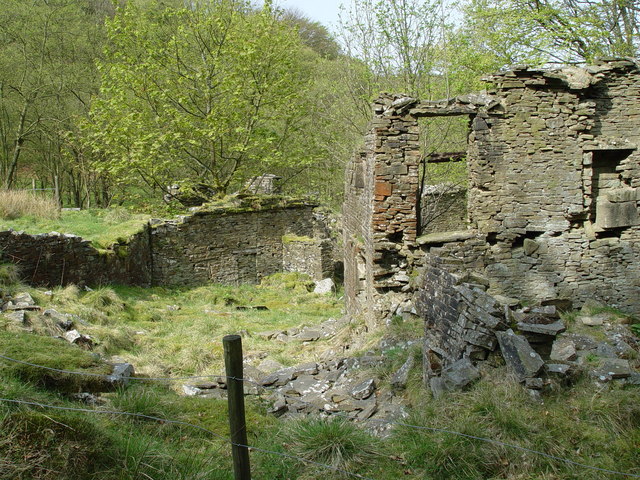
52	259
226	246
230	246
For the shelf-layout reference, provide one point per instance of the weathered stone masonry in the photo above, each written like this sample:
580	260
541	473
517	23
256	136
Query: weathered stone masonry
553	190
229	246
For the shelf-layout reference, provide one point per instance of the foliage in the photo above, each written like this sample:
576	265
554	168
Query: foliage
555	30
20	203
47	50
207	93
53	353
9	274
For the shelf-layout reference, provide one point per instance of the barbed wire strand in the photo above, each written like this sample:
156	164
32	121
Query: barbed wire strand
142	379
490	440
187	424
417	427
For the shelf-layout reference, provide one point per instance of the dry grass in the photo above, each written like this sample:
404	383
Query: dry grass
21	203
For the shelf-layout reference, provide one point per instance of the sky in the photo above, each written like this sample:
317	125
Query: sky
323	11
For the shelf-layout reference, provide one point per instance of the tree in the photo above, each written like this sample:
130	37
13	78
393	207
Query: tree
560	30
207	93
47	52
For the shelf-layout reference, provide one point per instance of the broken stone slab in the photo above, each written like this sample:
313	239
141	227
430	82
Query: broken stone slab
75	337
279	407
19	306
518	354
364	361
613	368
324	287
270	334
401	377
563	350
454	377
310	368
605	350
560	369
24	299
507	301
61	319
18	316
594	320
445	237
364	390
633	379
304	385
279	378
308	335
121	373
269	365
551	329
591	305
534	383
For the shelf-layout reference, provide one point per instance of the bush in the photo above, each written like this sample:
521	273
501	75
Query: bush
19	203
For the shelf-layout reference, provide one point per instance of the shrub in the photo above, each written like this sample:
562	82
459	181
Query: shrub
20	203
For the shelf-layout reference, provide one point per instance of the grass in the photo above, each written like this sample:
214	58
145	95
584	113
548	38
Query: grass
20	203
586	425
102	227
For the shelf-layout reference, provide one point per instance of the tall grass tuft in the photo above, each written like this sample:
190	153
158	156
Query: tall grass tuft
332	441
22	203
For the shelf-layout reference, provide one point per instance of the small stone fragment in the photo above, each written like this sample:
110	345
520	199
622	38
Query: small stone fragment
399	379
324	287
594	320
121	373
364	390
563	350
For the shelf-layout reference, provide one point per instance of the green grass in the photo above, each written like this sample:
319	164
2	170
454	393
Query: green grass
587	425
102	226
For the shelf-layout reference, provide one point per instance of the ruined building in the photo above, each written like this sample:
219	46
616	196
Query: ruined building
552	204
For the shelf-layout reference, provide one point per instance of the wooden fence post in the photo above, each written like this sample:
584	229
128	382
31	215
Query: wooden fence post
235	389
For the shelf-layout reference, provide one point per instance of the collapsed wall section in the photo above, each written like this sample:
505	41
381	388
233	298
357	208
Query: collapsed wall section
553	191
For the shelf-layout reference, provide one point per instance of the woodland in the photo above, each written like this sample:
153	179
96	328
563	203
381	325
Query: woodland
106	102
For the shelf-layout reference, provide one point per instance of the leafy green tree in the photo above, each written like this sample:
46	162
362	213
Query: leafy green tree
208	93
47	75
559	30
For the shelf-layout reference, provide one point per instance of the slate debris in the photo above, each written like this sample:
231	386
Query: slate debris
523	360
454	377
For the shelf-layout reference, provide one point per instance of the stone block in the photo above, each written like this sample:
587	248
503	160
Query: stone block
615	215
518	354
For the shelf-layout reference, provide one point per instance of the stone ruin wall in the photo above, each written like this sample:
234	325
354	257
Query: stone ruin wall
225	246
552	205
51	259
235	248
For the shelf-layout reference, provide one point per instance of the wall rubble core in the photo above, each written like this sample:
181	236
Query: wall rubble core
552	200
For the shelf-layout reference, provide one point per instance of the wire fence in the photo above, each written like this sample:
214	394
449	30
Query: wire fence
272	452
